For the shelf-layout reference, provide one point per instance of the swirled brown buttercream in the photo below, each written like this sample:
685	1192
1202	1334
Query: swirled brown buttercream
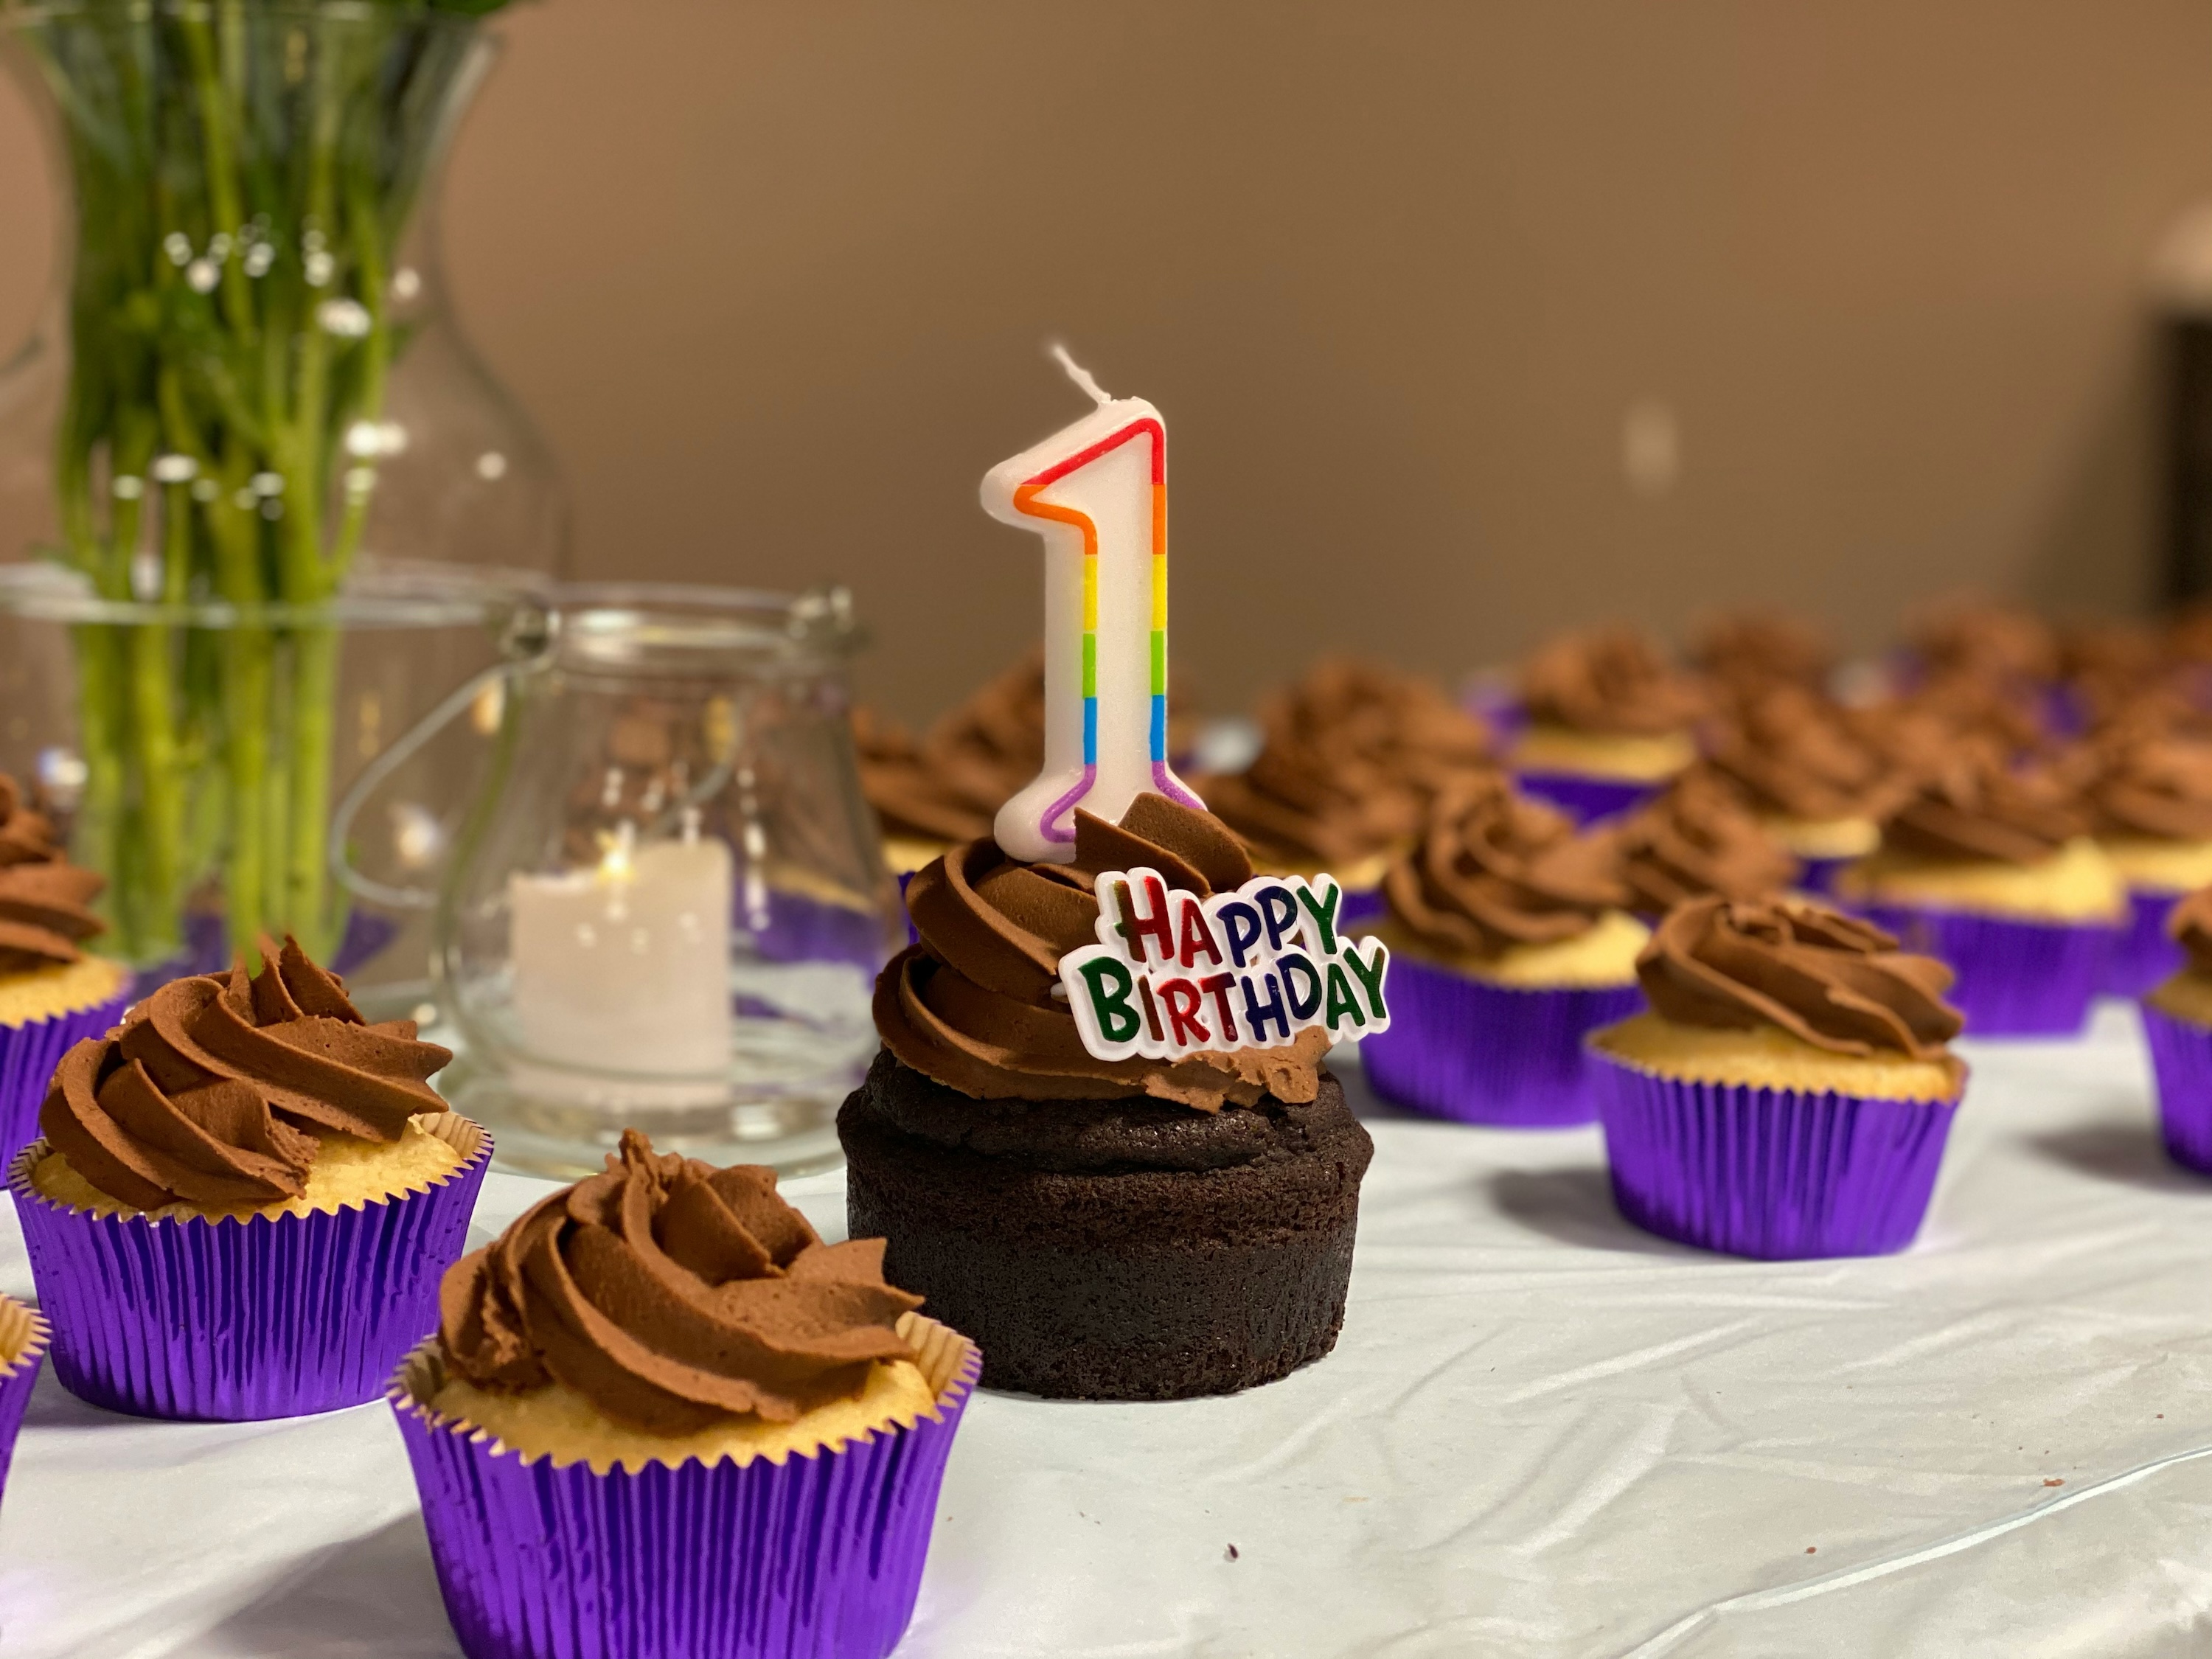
2189	924
1754	648
672	1295
972	1004
1827	979
1998	640
949	786
1698	838
1493	870
213	1089
2152	783
1977	807
1352	756
1612	681
44	898
1795	755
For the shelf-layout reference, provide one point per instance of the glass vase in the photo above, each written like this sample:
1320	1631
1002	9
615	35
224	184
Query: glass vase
246	429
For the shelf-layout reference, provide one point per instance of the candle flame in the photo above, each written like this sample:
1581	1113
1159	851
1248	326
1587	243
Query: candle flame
618	854
1082	376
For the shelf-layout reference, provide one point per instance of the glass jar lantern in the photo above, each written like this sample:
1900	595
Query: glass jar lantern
669	908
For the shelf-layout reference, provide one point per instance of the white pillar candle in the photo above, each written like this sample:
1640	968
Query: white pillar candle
626	967
1097	493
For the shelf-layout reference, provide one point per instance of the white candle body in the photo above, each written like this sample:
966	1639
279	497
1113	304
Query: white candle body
1116	493
628	969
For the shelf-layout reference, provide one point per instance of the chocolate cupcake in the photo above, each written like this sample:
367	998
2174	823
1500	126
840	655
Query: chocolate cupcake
2150	798
1510	942
1610	721
52	995
243	1198
1989	867
1696	839
1133	1229
1351	757
661	1416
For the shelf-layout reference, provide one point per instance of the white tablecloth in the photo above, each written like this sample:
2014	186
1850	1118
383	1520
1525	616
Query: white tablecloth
1542	1433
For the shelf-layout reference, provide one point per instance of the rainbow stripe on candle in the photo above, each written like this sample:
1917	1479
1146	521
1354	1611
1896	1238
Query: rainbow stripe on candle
1025	501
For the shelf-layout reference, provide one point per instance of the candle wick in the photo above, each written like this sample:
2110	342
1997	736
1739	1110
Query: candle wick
1082	376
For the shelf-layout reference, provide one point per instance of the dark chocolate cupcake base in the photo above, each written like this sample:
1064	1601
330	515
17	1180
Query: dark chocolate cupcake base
1119	1250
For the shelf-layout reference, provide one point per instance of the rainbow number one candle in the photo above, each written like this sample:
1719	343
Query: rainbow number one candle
1097	493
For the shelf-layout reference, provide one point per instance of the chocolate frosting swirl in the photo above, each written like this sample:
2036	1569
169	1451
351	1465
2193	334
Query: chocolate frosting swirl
1352	754
1612	681
951	785
672	1295
1493	869
1697	838
2152	783
1977	807
972	1004
1827	979
1795	755
1998	640
1754	648
44	898
213	1091
2189	924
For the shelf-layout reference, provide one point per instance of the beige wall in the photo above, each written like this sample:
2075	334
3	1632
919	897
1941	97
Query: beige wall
774	277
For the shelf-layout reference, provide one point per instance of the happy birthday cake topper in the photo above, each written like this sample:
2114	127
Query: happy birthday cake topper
1097	492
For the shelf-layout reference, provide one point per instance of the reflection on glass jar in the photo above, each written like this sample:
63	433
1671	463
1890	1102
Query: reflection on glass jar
670	907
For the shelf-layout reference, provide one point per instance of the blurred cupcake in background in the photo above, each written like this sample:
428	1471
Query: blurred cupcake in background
1698	839
1610	721
947	787
2176	1017
1789	1092
1983	663
1512	941
52	995
2106	669
1351	756
2149	796
24	1334
1750	651
1817	785
1990	866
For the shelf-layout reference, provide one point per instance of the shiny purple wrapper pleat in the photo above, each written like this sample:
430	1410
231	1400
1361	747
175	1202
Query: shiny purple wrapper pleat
2181	1062
2016	978
28	1054
2143	958
1587	799
25	1335
818	1557
1478	1052
1778	1175
232	1321
1819	875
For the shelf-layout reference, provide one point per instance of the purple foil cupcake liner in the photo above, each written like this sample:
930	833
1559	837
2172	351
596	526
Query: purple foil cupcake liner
1360	904
1818	875
1587	799
232	1321
2143	958
1775	1174
2016	978
2181	1062
24	1334
817	1556
1478	1052
28	1054
913	934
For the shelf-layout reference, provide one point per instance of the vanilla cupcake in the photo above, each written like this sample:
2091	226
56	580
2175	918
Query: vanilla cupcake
1609	722
1989	867
1817	786
1696	839
659	1415
1351	756
2149	796
1510	941
23	1338
243	1199
2177	1020
1789	1090
52	995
